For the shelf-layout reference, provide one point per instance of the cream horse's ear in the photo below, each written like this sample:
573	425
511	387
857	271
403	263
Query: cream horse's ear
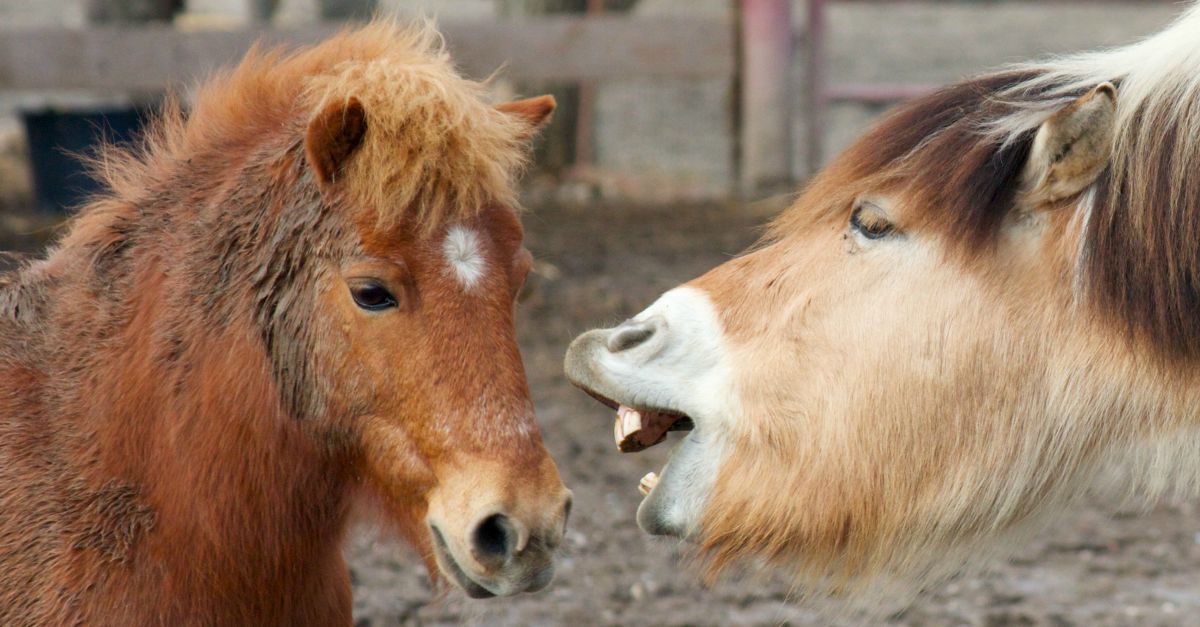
1071	148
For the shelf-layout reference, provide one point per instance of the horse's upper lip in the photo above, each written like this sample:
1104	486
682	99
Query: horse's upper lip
600	397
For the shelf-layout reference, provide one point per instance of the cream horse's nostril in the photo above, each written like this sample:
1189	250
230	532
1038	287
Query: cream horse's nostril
631	334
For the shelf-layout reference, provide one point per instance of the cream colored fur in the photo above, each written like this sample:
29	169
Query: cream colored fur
907	406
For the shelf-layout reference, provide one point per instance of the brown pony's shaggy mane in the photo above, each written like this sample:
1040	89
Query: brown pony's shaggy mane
433	150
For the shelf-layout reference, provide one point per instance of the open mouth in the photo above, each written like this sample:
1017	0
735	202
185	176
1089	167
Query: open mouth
637	429
450	567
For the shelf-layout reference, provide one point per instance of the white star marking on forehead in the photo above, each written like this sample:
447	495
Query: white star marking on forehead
464	255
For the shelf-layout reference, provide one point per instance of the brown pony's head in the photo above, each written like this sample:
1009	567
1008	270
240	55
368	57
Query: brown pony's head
975	309
354	214
413	315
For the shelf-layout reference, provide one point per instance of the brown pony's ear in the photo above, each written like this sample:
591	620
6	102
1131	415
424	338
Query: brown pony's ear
533	111
333	135
1073	147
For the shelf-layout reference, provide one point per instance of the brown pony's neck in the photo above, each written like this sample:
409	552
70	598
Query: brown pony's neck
176	403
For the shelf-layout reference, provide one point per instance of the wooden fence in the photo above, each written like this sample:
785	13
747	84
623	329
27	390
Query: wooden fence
754	47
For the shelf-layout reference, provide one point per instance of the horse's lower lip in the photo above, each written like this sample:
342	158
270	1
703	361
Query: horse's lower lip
649	515
650	523
446	559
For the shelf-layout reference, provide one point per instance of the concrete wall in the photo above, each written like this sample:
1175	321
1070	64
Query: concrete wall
14	13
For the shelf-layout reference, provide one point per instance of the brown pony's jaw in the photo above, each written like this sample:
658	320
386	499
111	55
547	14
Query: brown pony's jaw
529	580
489	526
664	370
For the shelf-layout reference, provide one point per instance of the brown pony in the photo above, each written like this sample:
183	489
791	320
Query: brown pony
985	307
299	295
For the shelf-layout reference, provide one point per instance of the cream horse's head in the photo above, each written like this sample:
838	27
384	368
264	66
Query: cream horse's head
952	331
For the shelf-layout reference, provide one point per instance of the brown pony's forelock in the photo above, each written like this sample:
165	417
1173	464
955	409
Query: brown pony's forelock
433	150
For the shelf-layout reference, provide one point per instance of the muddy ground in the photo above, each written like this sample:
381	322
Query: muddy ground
600	264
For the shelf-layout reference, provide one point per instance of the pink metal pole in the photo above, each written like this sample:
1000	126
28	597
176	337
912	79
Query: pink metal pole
766	130
585	151
814	94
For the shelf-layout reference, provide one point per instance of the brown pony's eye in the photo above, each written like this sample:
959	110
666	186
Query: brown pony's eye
870	222
372	296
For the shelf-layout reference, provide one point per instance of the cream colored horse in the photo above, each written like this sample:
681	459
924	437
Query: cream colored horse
977	310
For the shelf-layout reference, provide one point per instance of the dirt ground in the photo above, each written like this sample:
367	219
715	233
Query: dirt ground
600	264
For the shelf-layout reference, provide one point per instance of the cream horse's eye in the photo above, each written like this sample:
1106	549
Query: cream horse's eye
870	222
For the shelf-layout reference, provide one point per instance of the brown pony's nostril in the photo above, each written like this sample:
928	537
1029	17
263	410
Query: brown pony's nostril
630	334
494	541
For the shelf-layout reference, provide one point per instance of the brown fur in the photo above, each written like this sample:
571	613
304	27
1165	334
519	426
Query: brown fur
191	403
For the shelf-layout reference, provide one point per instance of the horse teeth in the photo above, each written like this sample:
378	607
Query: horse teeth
647	483
628	422
631	420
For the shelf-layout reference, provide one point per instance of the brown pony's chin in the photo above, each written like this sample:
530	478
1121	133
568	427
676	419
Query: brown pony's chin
452	571
448	567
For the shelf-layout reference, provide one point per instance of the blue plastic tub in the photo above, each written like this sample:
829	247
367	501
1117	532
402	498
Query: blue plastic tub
56	138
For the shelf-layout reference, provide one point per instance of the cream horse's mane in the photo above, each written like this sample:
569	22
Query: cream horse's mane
1138	259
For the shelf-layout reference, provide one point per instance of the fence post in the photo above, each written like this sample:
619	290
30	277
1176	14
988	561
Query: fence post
585	151
814	81
766	41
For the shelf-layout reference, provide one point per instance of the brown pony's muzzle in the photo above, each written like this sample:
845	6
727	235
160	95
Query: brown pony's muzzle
496	530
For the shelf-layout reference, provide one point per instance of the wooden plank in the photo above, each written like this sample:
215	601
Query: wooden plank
118	59
595	48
